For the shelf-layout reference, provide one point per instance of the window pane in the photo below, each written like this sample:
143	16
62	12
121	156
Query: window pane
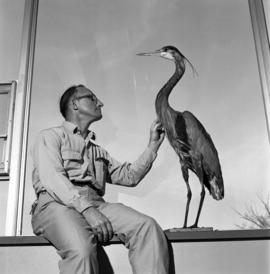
2	154
4	109
6	119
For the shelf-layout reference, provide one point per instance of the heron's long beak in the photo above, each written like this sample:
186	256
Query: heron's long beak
150	53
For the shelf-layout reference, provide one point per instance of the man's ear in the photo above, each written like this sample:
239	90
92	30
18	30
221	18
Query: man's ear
74	105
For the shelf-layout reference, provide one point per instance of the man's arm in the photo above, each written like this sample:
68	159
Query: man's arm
130	174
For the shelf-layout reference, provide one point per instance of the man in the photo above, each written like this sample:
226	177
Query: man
69	176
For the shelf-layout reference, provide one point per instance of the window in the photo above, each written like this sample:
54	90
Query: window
226	96
7	93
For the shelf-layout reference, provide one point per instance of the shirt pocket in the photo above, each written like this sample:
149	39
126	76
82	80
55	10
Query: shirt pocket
101	167
73	160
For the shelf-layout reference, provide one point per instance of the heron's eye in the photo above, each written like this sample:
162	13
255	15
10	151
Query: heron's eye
167	55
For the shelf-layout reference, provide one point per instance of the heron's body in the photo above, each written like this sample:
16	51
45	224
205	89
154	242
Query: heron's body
188	137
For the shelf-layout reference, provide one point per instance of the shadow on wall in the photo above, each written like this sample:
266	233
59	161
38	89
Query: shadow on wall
171	262
105	266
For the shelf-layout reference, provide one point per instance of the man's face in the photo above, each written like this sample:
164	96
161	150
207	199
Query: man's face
88	104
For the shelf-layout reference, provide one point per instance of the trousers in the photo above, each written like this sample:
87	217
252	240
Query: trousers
77	246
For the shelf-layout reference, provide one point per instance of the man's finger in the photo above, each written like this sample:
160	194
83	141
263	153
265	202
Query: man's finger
99	233
104	233
100	236
110	230
95	232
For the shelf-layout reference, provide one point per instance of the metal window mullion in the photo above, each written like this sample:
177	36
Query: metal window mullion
10	126
26	118
21	113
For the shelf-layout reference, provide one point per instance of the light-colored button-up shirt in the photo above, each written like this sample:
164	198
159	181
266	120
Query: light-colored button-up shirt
74	170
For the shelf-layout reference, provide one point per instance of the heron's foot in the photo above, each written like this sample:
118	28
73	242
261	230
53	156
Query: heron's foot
196	228
188	227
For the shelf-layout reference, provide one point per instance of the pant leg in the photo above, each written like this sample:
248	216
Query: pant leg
68	231
147	244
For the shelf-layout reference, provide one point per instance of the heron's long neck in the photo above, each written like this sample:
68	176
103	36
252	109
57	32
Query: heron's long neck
162	102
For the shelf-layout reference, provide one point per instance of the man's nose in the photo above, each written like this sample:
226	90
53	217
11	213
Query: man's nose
99	103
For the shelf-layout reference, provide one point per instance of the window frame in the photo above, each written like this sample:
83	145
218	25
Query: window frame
31	8
7	136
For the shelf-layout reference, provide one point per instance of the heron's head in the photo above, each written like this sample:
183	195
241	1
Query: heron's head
167	52
171	53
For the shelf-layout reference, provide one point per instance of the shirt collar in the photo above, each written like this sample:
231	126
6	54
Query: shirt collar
75	130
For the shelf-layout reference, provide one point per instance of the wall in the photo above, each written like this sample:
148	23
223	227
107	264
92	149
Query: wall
190	258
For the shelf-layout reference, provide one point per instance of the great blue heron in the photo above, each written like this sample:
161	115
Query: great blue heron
188	137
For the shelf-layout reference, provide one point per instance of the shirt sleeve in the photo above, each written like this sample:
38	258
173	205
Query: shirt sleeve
130	174
52	175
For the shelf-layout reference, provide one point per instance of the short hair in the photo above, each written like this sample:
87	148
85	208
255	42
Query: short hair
65	98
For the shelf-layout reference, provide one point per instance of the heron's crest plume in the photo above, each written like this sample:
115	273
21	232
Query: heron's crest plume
195	73
176	50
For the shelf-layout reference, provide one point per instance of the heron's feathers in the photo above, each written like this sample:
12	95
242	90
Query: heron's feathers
187	135
217	191
196	150
183	144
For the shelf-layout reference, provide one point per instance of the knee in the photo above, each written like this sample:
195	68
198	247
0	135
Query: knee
149	224
84	251
149	231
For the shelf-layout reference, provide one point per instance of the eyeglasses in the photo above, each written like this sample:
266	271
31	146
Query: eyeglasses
90	96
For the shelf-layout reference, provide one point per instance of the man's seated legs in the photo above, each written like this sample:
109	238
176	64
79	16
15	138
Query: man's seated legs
69	232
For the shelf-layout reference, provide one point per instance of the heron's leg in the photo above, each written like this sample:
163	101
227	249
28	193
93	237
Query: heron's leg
200	175
189	193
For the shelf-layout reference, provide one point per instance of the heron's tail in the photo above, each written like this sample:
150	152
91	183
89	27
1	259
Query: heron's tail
217	188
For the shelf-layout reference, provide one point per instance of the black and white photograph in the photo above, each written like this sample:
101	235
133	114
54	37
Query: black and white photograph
134	136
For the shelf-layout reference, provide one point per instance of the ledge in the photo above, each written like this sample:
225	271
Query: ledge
218	235
174	236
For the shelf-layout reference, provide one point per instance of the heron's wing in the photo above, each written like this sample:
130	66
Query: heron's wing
202	145
199	139
177	135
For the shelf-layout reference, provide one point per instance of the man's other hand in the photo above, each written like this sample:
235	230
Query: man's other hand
99	223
